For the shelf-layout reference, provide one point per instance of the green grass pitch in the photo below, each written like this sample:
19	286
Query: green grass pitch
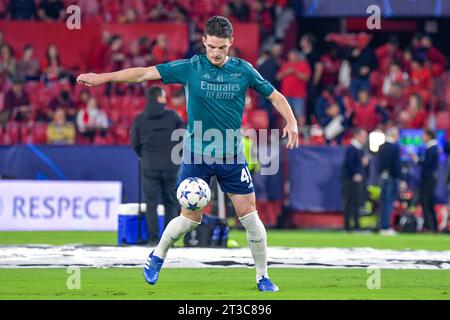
231	283
223	283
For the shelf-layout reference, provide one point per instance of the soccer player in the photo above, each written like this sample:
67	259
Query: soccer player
215	86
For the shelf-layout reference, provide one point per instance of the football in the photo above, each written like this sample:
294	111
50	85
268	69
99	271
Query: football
193	193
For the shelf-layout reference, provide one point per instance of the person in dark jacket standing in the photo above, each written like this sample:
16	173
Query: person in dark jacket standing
149	135
353	178
428	178
389	171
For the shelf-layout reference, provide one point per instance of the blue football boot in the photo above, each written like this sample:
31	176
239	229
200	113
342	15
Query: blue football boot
152	268
264	284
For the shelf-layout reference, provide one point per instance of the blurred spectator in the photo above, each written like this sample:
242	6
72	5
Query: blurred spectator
180	15
112	10
51	10
434	56
417	50
130	16
29	67
22	9
262	15
158	13
4	87
395	75
52	68
420	75
268	65
225	11
64	102
294	75
414	117
2	39
407	60
8	63
100	52
116	54
161	51
421	81
428	179
395	100
329	66
240	9
307	44
362	61
389	172
116	61
134	56
332	115
284	15
92	121
83	99
90	10
367	112
196	45
59	131
3	9
139	6
17	102
178	103
353	179
276	51
388	53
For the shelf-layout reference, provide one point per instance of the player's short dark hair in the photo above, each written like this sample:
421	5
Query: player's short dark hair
430	133
154	92
218	26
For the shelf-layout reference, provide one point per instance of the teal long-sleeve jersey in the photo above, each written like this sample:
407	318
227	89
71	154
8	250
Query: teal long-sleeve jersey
215	100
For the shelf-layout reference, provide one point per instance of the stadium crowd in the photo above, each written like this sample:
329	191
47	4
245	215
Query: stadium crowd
336	86
337	83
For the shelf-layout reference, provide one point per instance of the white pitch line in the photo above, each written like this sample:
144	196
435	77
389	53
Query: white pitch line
46	256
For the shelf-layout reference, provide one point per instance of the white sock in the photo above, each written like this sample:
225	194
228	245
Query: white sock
176	228
257	242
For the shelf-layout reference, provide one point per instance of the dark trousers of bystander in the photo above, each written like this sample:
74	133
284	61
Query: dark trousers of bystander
387	197
353	193
159	185
427	188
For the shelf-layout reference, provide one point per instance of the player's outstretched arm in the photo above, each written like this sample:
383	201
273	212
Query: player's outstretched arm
282	106
139	74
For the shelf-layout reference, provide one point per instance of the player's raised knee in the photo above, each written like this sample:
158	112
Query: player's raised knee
192	215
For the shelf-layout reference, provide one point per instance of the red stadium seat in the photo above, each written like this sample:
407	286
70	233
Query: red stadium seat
120	134
12	133
26	133
443	120
103	141
114	114
39	133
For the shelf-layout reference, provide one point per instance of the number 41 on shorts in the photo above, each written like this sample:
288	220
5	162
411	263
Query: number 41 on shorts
245	175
